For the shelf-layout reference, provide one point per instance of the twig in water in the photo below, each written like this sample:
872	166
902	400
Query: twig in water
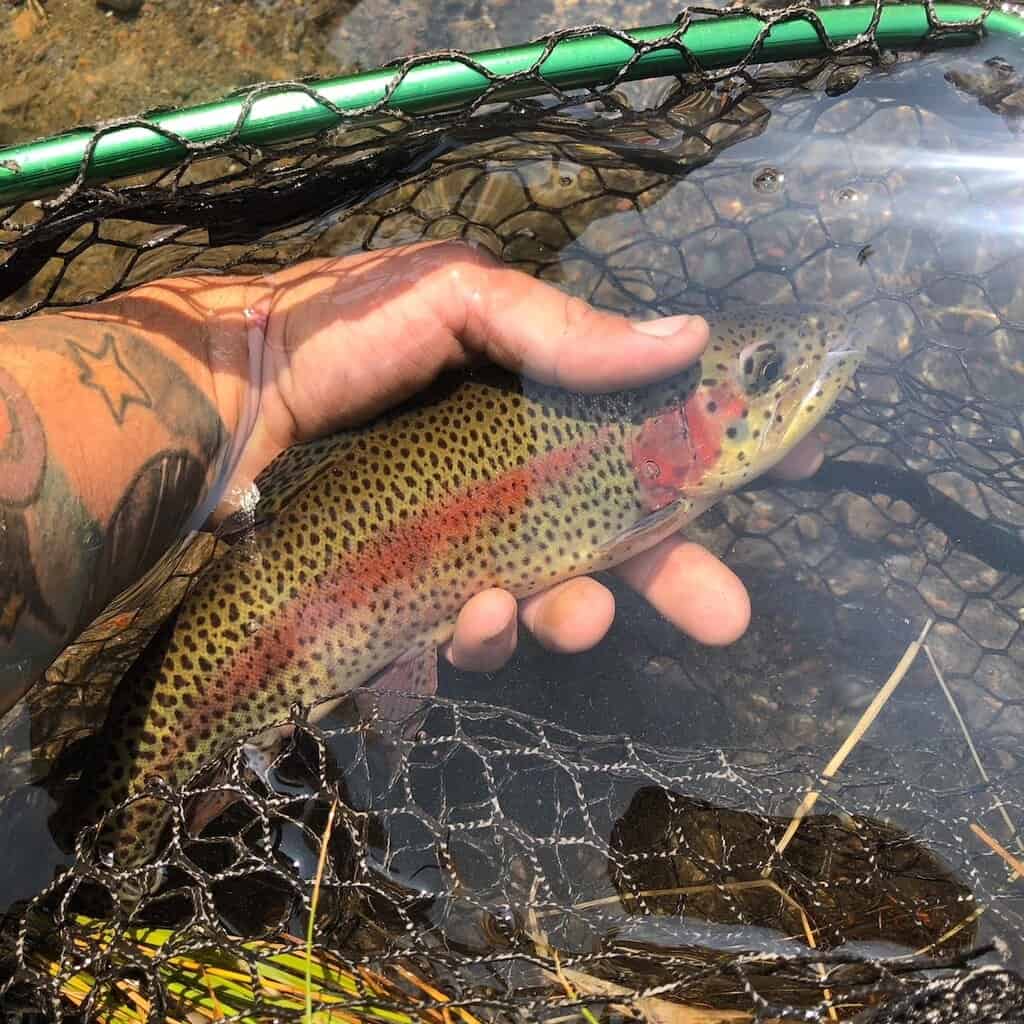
997	847
864	723
314	899
949	933
1000	807
856	735
571	992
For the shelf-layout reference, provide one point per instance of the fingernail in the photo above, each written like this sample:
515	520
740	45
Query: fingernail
663	326
814	464
500	638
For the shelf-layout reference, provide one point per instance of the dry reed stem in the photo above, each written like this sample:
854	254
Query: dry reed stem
864	723
949	933
314	899
1014	862
1000	807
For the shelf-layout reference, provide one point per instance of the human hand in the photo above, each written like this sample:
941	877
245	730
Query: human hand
349	338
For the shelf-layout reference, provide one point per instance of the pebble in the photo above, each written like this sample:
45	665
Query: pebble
121	6
808	527
988	624
944	597
905	568
801	727
954	652
661	665
14	99
24	26
853	692
862	519
855	578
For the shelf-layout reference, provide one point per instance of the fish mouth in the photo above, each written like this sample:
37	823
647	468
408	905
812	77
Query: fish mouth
844	349
836	373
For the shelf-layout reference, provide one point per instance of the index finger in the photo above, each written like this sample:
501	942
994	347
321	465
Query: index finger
532	327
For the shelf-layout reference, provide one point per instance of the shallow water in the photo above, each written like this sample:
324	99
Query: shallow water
897	201
900	200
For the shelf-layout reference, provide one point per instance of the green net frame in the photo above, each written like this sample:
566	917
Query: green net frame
587	58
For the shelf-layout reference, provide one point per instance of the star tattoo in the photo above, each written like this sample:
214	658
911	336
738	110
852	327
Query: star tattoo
105	372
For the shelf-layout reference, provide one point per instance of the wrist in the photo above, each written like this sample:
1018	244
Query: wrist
237	354
265	423
214	329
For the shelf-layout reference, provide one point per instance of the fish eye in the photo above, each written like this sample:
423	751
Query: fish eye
762	365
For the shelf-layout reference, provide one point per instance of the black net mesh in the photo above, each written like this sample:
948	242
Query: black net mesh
506	858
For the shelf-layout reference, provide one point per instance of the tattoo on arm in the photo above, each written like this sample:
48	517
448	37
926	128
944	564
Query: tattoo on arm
104	371
60	566
22	445
19	586
141	375
30	627
135	378
22	465
149	517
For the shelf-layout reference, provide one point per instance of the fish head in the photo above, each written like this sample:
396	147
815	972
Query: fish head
765	380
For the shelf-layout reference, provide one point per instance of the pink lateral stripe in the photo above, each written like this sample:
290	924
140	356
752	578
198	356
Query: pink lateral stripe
351	584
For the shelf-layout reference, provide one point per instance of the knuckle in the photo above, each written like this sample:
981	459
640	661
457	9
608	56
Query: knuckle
458	254
577	315
463	286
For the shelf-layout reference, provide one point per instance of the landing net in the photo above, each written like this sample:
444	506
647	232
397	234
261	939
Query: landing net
510	860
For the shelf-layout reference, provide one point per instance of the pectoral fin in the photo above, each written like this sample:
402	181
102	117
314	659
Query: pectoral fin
395	694
647	532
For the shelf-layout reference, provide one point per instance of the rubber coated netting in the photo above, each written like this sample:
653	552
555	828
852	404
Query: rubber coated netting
509	858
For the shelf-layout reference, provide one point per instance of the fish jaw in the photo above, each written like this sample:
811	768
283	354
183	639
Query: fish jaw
767	380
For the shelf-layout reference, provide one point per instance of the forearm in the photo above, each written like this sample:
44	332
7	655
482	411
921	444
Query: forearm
115	425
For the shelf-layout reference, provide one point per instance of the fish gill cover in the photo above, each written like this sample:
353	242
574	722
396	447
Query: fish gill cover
655	830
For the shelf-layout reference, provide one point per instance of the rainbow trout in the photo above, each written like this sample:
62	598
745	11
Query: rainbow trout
368	543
